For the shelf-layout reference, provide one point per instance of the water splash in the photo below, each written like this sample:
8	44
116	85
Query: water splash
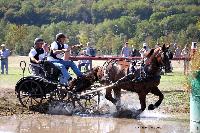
60	108
128	109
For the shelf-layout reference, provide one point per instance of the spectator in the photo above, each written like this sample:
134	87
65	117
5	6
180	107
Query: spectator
4	53
85	63
134	52
174	46
143	50
125	52
193	49
36	55
59	56
177	51
185	53
90	51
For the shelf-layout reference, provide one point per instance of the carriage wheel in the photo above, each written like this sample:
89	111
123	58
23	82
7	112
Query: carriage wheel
89	104
59	94
30	93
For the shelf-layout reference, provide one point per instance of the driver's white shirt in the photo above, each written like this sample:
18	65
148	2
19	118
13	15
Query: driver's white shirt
33	52
54	46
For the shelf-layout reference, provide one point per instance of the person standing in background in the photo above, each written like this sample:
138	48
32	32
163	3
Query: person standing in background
90	51
134	52
4	53
143	50
193	49
83	62
185	53
125	52
177	52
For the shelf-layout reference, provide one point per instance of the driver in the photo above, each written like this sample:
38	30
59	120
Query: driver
59	56
37	54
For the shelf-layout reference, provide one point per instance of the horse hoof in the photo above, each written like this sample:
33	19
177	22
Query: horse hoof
151	107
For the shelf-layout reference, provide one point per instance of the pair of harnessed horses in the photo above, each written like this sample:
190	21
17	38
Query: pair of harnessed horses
117	78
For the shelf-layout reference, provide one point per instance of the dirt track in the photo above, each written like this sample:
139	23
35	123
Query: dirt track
10	105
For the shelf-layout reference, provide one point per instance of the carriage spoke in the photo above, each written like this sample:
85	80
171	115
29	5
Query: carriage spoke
31	101
37	101
30	92
27	100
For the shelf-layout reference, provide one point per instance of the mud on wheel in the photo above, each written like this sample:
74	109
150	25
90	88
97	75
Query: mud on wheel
30	91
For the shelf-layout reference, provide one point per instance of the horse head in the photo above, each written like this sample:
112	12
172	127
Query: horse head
102	75
157	58
85	82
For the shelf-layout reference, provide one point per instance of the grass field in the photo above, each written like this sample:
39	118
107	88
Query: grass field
14	72
171	81
172	84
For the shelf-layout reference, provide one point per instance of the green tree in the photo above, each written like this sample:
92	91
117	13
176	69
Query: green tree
2	30
15	35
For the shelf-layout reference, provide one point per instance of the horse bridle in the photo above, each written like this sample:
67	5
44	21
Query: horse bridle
159	54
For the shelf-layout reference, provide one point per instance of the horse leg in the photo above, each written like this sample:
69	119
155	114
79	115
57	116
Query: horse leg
142	98
108	95
156	92
117	95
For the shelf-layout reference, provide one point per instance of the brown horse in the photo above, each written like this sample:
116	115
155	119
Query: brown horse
142	85
112	71
85	82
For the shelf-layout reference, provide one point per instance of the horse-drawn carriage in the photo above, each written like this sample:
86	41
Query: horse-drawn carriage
36	91
33	91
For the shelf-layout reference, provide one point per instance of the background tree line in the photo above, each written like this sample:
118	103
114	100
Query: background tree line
105	23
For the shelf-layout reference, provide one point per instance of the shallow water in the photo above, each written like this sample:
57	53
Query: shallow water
146	123
107	120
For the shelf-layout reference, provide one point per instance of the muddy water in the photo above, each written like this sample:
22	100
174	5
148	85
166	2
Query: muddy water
125	121
146	123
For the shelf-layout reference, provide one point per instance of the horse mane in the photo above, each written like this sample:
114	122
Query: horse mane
149	54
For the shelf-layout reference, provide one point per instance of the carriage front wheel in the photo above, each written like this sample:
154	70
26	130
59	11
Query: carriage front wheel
30	93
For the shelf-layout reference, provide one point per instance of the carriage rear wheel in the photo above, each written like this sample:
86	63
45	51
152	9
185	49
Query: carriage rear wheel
30	93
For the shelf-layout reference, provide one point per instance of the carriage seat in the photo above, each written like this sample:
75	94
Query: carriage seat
36	70
51	71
